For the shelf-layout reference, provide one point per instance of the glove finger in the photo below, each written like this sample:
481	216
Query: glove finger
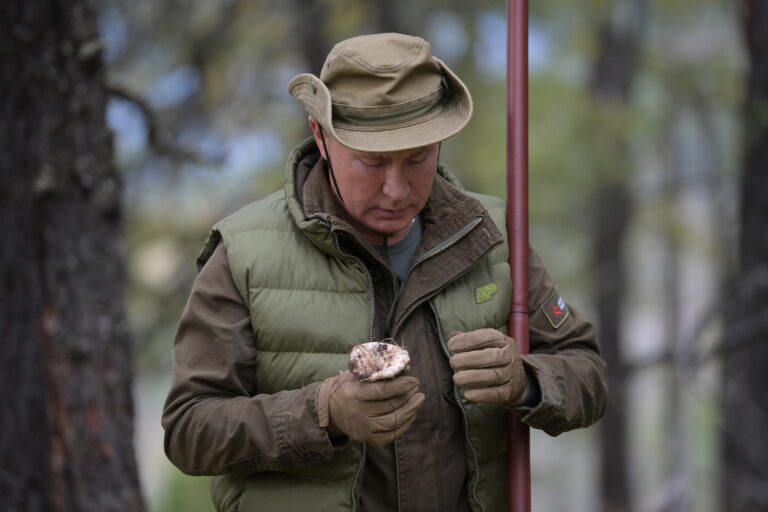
405	426
392	420
381	407
340	379
485	358
497	394
385	438
385	389
473	340
380	438
509	394
468	379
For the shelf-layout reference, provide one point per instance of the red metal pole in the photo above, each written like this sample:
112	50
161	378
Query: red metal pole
518	442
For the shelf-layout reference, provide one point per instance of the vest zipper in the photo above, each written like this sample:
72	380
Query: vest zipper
361	461
465	418
367	276
446	244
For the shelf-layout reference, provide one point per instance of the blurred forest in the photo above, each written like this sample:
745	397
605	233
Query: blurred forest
648	143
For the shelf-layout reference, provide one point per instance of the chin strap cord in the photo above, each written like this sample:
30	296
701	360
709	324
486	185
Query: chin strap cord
330	168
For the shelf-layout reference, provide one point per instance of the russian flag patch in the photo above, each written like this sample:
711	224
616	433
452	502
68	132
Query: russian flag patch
556	310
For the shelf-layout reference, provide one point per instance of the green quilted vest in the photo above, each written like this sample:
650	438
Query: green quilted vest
293	277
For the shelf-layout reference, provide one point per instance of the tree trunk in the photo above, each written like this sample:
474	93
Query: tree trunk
612	77
388	16
66	439
745	401
310	30
674	496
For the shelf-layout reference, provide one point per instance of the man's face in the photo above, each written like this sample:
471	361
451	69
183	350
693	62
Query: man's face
382	192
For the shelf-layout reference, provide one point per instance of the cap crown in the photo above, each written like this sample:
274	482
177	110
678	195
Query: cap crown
381	70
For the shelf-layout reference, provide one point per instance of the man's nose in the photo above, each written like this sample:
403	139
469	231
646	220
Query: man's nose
396	184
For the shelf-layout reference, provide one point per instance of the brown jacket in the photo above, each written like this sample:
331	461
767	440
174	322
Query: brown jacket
214	416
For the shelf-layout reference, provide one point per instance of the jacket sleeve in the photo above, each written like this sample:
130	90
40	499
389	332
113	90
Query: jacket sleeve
565	358
214	422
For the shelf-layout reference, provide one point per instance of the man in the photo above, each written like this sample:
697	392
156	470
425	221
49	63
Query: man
370	239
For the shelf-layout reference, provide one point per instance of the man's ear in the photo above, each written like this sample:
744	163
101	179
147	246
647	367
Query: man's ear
315	127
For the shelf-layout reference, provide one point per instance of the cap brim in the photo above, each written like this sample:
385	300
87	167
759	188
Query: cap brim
454	113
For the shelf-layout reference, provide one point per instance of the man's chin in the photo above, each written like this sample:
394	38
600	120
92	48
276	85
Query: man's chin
391	229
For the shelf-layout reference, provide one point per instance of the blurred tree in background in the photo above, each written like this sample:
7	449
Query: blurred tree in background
744	342
66	441
611	83
647	127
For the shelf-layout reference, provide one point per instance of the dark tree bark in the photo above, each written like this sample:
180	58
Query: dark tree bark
612	77
310	32
746	402
66	430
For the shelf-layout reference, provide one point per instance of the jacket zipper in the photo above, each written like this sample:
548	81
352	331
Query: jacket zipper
372	313
397	477
446	244
356	477
434	251
437	249
464	416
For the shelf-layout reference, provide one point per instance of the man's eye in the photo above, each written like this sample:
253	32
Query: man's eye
373	163
417	161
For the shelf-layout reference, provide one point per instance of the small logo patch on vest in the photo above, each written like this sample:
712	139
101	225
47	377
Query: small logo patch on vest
556	310
486	292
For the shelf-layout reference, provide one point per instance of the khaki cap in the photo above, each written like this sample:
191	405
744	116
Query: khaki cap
384	92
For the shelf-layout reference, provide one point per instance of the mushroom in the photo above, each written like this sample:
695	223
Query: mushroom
377	360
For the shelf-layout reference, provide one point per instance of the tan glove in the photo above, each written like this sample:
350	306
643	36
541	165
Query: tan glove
488	366
371	412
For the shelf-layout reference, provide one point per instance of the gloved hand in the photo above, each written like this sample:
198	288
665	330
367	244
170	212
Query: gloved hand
371	412
488	366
